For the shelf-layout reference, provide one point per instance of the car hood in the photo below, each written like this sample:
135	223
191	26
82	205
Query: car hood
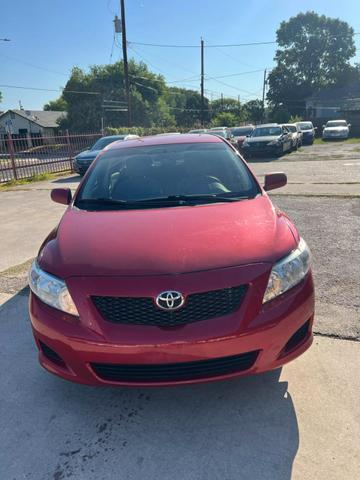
87	154
167	240
336	129
268	138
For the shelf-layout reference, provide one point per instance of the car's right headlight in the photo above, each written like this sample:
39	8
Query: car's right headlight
51	290
288	272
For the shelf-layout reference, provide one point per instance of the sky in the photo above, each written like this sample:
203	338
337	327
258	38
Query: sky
49	37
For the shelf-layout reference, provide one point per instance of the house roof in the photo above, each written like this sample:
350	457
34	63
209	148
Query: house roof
349	91
43	118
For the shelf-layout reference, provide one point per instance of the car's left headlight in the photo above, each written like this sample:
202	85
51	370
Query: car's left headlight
51	290
274	142
288	272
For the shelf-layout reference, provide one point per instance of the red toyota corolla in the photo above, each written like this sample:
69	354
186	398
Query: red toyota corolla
170	266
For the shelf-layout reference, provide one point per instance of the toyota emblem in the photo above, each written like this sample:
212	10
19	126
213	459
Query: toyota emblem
170	300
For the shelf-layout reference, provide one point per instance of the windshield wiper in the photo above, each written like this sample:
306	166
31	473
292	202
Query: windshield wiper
158	201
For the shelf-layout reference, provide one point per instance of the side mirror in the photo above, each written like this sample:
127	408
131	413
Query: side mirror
349	125
61	195
275	180
315	128
323	126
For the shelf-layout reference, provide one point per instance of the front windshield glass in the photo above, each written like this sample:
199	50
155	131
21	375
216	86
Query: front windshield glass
267	131
103	142
160	171
306	126
336	123
292	128
242	132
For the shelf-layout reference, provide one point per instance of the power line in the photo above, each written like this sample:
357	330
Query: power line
63	90
197	46
226	45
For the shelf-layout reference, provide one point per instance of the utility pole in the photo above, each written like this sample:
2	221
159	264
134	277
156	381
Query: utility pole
263	96
202	82
126	67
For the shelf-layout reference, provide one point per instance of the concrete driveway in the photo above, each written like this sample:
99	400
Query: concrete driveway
298	423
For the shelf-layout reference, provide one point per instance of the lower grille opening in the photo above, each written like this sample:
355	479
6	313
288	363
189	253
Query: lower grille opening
51	355
167	372
298	337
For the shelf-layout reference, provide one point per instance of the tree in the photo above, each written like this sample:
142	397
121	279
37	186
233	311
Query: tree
56	105
314	52
254	110
224	119
85	93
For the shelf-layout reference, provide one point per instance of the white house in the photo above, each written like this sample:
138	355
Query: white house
29	123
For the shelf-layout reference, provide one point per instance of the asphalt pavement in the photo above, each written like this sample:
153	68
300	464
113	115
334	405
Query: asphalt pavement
298	423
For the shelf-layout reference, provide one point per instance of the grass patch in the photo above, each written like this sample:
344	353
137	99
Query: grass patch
35	178
320	141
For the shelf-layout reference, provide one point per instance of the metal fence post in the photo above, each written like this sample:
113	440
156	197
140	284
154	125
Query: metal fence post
69	150
12	155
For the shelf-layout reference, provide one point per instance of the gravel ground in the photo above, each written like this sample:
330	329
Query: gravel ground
331	227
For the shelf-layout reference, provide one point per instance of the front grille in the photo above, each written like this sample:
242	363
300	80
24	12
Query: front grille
167	372
143	311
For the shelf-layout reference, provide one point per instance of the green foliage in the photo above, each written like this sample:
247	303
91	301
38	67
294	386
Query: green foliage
226	119
254	110
294	119
155	106
56	105
314	52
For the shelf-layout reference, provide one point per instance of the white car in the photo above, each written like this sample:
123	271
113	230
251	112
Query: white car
296	134
336	129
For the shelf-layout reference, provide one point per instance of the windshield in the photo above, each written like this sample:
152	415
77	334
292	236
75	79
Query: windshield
291	128
104	141
242	132
306	126
336	123
267	132
160	171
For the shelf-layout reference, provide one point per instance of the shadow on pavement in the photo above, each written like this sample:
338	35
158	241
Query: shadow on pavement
75	178
240	429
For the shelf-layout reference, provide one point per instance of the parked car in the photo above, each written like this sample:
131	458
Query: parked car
296	135
198	130
308	131
240	133
170	266
223	132
83	160
336	129
270	139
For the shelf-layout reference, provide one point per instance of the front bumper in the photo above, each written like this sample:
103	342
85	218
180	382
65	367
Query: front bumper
265	149
81	345
308	138
335	136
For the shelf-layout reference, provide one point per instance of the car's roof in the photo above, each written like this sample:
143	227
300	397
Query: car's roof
244	126
166	140
115	136
337	120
